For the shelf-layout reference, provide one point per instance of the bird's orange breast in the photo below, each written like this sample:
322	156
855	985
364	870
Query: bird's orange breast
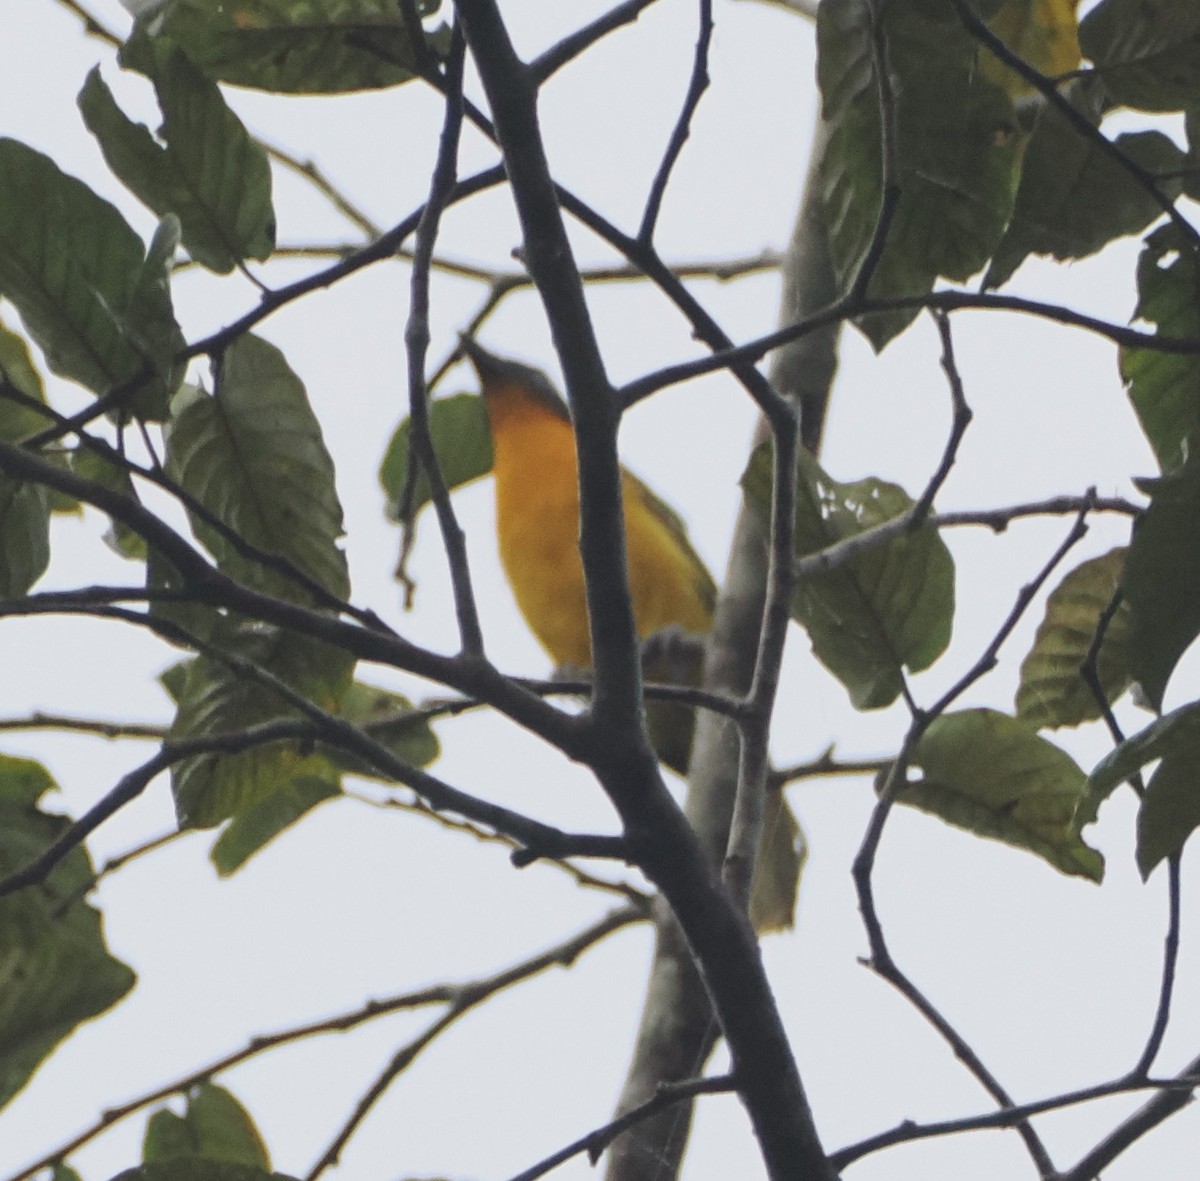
537	525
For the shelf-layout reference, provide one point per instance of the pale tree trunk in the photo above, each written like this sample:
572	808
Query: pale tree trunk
678	1030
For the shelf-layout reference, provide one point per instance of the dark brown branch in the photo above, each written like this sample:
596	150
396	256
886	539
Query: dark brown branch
512	94
824	766
1170	961
206	584
661	842
384	247
998	520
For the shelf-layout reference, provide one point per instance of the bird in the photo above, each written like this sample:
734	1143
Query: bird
536	475
537	527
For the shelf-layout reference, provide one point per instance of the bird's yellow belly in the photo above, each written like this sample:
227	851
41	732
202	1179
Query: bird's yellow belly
539	546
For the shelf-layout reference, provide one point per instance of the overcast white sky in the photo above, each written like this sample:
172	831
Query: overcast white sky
1052	980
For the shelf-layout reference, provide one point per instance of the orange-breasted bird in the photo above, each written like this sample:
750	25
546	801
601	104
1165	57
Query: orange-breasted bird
537	527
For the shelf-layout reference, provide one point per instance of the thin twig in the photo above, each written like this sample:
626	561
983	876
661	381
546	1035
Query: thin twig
580	877
824	766
311	171
848	309
130	786
1006	1117
958	427
697	85
416	339
881	960
577	43
449	994
461	1000
146	731
1170	961
1152	1113
839	552
596	1142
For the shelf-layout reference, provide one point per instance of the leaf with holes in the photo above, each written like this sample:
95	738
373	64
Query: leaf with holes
887	609
206	170
1074	198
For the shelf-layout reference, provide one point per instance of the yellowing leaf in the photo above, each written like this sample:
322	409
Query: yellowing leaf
1045	33
994	776
1052	690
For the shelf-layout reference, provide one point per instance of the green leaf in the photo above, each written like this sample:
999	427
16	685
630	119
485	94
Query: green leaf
1052	692
198	1169
1073	198
1162	386
1170	808
260	823
19	421
956	151
994	776
96	306
781	856
1191	179
207	170
253	455
214	1126
1146	51
24	536
57	970
199	620
61	1172
214	787
289	46
383	715
887	609
1162	573
93	464
463	442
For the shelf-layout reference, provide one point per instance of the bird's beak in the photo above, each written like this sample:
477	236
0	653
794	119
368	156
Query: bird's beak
487	365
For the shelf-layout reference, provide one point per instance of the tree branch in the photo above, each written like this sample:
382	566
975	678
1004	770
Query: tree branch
449	994
460	1000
